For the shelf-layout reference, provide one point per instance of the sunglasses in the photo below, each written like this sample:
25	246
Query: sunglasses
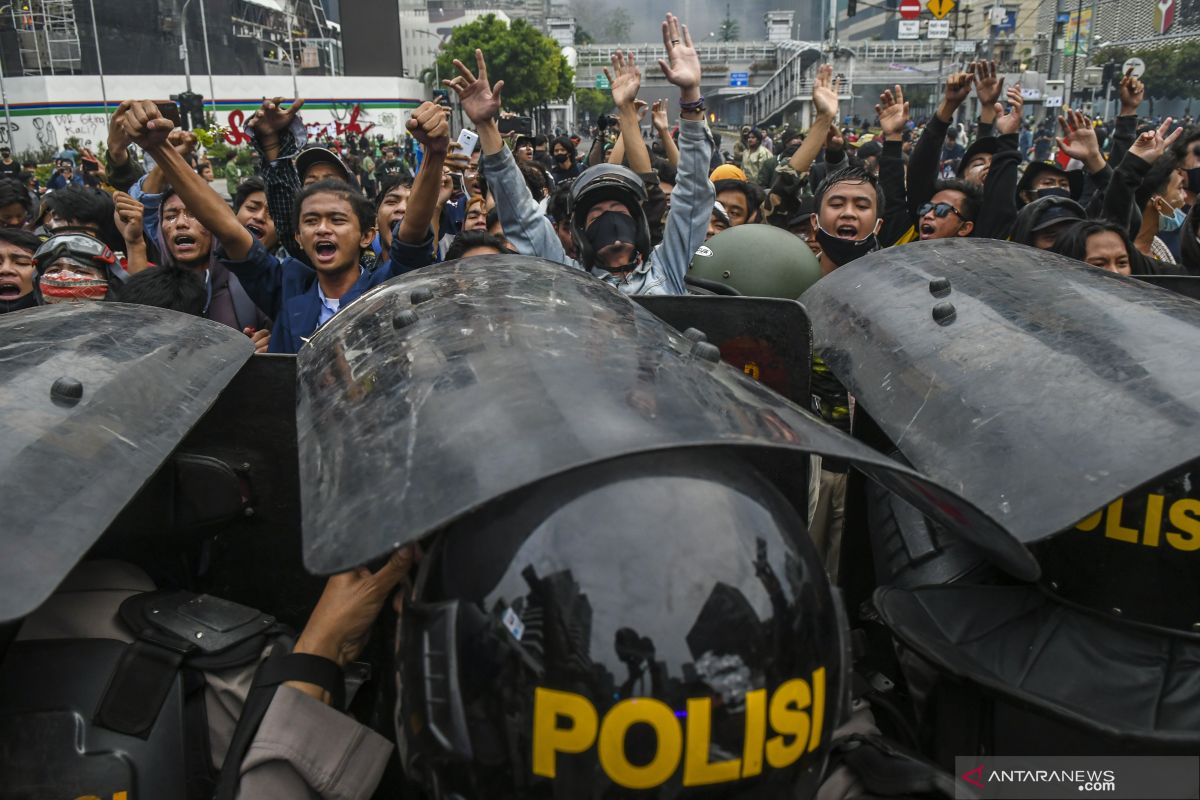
940	210
79	246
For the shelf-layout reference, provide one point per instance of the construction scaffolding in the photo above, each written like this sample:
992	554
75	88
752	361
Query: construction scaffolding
47	37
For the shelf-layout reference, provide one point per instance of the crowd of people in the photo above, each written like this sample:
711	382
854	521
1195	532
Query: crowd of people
320	226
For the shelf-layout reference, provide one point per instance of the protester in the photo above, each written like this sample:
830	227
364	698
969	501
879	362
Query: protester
16	205
565	165
175	288
18	271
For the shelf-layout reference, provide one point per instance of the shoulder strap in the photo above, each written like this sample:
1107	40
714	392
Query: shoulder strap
243	307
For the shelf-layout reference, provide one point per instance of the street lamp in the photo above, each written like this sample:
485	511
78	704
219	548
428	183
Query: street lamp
212	93
291	64
183	48
437	78
99	62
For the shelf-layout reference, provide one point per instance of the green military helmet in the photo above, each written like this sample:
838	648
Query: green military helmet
757	261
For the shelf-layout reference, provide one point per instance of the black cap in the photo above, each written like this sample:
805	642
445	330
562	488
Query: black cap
1065	211
317	155
1074	176
986	144
871	148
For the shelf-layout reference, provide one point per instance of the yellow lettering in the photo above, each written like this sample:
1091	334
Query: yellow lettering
751	369
756	733
549	739
1154	516
818	709
618	721
789	719
1090	523
697	770
1184	517
1113	528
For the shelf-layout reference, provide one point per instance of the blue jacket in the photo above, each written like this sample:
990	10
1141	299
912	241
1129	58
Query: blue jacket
289	287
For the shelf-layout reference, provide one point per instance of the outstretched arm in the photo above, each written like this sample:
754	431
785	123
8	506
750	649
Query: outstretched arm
662	126
825	101
626	80
147	128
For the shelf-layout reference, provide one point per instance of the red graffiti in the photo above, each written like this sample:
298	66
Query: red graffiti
338	129
235	135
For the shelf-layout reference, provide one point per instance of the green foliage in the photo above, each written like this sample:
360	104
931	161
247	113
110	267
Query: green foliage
1171	71
583	37
593	102
530	64
730	30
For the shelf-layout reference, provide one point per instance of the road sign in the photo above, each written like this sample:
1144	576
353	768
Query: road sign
965	46
939	9
910	9
1136	64
739	79
909	29
1054	101
602	81
938	29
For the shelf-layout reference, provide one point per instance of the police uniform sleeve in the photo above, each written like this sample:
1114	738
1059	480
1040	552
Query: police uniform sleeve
691	206
304	748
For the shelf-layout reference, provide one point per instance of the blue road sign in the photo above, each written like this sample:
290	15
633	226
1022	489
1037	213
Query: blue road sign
739	79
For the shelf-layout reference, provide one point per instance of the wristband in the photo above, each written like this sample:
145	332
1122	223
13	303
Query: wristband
694	105
305	668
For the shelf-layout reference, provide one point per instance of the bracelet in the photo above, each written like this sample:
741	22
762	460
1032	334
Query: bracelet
694	105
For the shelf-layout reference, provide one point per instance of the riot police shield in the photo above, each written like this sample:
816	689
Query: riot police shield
1036	386
449	388
769	339
1186	285
96	397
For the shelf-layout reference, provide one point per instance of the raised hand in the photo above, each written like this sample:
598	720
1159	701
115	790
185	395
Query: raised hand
1132	92
658	115
456	160
183	141
625	79
430	126
987	86
128	216
1010	122
118	140
893	113
682	66
480	100
1153	143
1079	140
145	125
958	86
271	117
825	92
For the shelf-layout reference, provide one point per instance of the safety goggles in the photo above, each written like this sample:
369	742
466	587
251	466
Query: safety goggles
940	210
79	247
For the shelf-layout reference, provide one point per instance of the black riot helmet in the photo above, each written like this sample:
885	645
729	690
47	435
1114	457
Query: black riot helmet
608	182
658	623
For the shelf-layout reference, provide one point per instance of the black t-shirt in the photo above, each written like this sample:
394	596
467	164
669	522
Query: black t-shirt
9	170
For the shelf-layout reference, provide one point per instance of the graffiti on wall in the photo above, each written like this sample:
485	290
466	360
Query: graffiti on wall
348	118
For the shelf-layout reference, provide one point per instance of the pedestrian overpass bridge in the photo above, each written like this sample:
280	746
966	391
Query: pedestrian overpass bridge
780	74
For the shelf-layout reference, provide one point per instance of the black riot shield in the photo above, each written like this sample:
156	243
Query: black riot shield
96	396
767	338
454	386
1037	387
1186	285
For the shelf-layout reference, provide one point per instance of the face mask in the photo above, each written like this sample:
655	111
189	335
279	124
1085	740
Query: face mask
27	300
1054	191
843	251
1193	180
1172	223
562	158
609	228
65	286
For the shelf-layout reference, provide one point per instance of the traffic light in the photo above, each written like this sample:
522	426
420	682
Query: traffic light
442	97
851	7
191	109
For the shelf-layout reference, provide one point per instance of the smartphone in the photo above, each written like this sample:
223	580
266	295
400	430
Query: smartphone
467	139
170	110
519	125
456	180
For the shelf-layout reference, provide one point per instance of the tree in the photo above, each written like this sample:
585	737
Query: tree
583	37
530	64
618	25
593	102
1171	71
730	30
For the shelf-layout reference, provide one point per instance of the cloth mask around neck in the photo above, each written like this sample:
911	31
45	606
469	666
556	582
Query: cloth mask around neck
843	251
609	228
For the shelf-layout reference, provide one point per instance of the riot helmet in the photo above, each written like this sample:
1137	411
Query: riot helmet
687	644
608	182
758	261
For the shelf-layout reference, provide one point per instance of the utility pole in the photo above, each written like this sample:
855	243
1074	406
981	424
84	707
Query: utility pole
183	48
1070	98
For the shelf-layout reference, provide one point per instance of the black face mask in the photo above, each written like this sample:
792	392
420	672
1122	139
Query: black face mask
843	251
609	228
27	300
562	158
1054	191
1193	180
